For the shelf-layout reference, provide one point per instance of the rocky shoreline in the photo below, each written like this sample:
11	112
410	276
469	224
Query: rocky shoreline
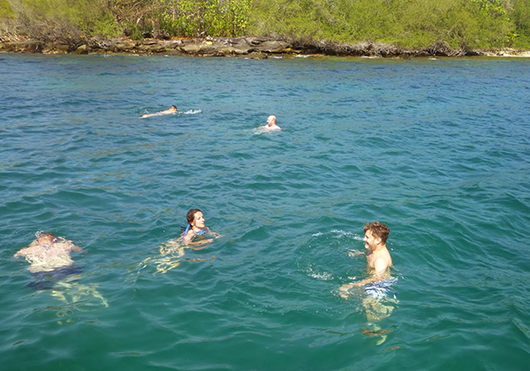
251	47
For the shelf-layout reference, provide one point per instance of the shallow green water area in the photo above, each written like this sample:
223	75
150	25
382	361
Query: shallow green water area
438	150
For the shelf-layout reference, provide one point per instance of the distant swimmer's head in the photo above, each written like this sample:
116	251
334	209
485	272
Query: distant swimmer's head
46	238
271	120
377	230
196	219
173	108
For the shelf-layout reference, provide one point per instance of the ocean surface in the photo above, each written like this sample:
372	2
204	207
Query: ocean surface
437	149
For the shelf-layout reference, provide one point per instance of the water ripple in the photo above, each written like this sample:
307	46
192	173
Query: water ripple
436	150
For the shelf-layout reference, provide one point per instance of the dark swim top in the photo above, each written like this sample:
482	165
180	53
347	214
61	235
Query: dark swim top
203	231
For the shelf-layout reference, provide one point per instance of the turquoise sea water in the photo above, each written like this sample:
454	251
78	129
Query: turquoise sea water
437	149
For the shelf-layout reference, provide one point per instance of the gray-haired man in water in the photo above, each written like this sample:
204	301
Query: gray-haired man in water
271	124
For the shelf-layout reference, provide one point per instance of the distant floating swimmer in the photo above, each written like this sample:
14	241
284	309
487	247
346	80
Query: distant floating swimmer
171	110
271	124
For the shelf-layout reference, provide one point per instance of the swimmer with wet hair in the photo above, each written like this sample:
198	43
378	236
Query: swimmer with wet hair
379	298
196	236
196	227
172	109
378	260
47	253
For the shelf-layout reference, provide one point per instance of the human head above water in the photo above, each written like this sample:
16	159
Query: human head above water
173	108
43	238
378	230
190	217
271	120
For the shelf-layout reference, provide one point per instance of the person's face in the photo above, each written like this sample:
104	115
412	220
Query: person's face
198	220
270	121
370	241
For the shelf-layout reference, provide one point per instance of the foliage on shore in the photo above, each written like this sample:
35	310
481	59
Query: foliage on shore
462	24
459	24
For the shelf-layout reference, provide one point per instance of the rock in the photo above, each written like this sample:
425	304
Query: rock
190	48
83	49
254	41
151	47
26	46
272	46
61	47
240	46
203	48
252	47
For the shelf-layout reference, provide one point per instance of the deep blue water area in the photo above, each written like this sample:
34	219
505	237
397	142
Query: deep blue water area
437	149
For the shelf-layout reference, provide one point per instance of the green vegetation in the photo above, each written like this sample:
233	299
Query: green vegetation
6	11
411	24
460	24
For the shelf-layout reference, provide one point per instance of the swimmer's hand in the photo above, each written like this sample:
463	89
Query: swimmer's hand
200	260
354	253
344	290
201	244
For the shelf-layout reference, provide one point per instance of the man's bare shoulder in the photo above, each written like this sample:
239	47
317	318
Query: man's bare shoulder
66	245
380	261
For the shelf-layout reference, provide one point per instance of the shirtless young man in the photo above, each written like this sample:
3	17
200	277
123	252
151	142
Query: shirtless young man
271	124
48	253
172	109
378	260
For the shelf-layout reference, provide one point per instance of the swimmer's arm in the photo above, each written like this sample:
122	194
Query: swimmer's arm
214	234
343	290
201	260
354	253
380	271
372	278
166	112
191	233
70	245
149	115
200	244
77	248
21	253
188	237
